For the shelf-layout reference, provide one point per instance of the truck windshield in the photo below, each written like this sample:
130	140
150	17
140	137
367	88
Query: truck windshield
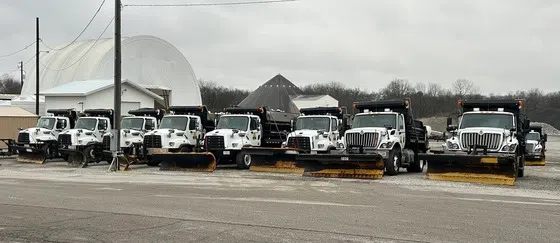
375	120
171	122
233	122
133	123
313	123
47	123
86	123
504	121
533	136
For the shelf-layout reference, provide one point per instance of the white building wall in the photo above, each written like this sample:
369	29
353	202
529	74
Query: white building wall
64	102
100	100
309	103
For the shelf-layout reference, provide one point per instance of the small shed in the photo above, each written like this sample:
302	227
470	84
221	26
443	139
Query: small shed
12	118
310	101
95	94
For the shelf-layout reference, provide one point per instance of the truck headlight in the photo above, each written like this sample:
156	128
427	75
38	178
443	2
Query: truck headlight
509	148
386	145
452	145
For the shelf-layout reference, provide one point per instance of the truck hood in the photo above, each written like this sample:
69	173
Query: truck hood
304	133
486	130
220	132
381	130
37	134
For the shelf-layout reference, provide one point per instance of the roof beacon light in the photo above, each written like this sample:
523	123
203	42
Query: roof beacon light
260	109
476	109
366	110
387	110
500	109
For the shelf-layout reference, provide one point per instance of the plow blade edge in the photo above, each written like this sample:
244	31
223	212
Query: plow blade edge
360	166
275	160
185	161
498	170
30	155
535	162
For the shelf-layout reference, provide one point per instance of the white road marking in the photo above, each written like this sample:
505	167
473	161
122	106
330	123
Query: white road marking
273	200
507	201
15	198
108	189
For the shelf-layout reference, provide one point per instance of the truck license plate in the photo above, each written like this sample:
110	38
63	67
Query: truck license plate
72	147
226	153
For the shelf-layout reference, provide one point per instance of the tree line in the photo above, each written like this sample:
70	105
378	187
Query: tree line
428	100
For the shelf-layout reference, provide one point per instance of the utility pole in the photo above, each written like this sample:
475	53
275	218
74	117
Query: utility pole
21	74
37	70
118	79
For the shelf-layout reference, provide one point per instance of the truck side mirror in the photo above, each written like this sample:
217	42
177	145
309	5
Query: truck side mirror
527	125
149	126
451	128
292	125
545	137
61	124
449	121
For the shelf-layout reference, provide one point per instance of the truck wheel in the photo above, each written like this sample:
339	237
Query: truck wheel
47	151
417	165
392	163
185	149
90	154
243	160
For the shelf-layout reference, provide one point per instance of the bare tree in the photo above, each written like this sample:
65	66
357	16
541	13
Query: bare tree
9	85
463	88
398	88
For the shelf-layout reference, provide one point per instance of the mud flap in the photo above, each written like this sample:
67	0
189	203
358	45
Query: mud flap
359	166
185	161
275	160
484	169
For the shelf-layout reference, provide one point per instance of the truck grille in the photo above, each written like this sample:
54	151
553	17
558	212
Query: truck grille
491	140
214	143
152	141
368	139
529	147
106	142
23	137
303	143
65	139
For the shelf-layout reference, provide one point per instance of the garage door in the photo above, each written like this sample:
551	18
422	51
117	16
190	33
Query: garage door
128	106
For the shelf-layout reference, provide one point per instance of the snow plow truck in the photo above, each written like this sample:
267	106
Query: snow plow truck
37	144
176	144
487	145
535	146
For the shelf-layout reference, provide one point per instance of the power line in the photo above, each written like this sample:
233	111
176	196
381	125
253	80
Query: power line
82	57
81	33
207	4
16	52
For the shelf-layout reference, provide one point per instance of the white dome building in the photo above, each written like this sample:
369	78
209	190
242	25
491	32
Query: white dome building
147	61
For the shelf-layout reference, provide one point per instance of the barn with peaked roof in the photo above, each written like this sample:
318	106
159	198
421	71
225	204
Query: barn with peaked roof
276	93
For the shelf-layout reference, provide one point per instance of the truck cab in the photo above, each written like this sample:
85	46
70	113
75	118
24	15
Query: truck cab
86	136
43	138
133	129
490	128
242	127
316	130
535	146
387	128
180	131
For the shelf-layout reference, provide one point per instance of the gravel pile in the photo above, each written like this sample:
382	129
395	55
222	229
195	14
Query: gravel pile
547	128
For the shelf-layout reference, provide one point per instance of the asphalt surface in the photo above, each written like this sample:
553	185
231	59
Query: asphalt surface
54	203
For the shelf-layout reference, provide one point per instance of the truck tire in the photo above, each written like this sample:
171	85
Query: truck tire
392	163
89	151
243	160
417	165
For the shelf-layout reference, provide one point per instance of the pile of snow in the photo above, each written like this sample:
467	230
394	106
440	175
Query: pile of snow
547	128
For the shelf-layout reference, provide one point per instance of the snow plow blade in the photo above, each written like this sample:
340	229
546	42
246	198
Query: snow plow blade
75	158
486	169
535	161
275	160
30	155
185	161
359	166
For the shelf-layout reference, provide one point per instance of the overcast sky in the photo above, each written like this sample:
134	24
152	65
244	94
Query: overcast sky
501	45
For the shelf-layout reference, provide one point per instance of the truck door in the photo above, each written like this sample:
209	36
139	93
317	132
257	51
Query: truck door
333	135
102	126
401	130
255	133
61	125
193	132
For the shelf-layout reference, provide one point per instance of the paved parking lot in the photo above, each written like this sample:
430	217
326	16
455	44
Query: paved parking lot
54	203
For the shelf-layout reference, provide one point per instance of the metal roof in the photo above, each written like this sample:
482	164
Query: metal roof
84	88
275	93
147	60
